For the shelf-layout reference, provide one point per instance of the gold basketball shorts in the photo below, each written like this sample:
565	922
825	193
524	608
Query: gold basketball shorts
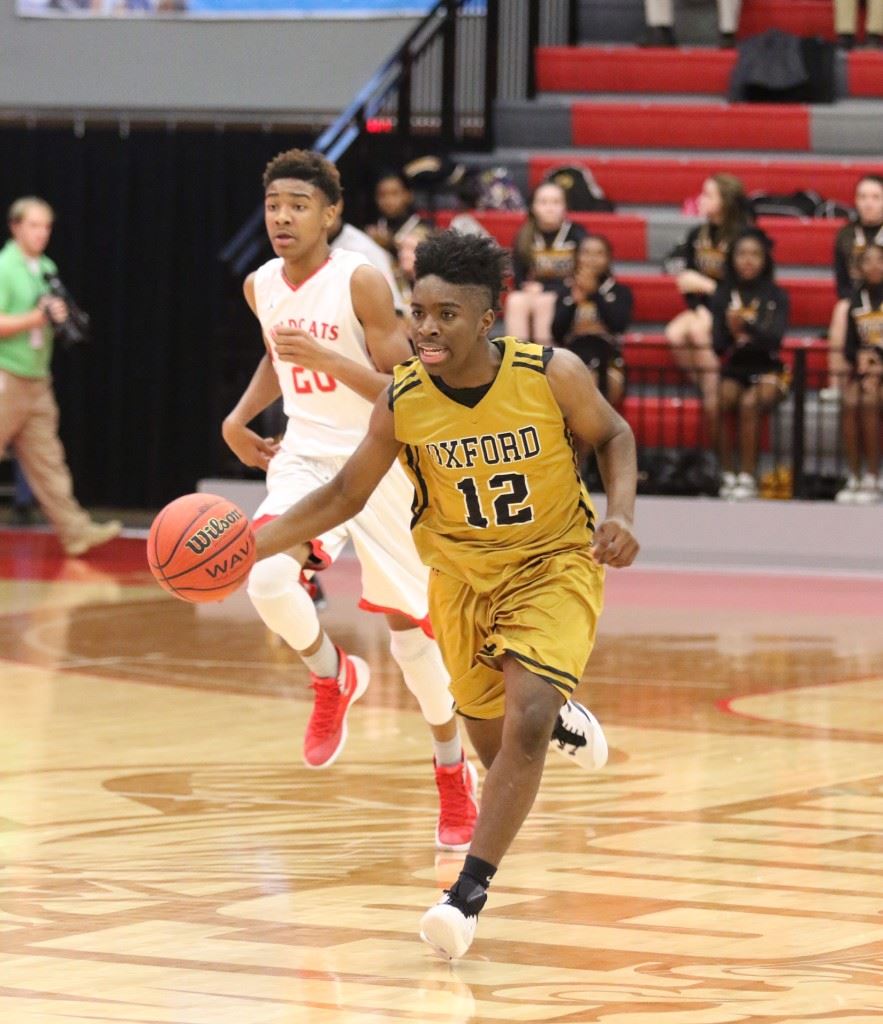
544	613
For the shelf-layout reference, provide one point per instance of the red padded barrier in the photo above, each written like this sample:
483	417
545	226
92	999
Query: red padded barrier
673	179
687	126
627	234
800	17
865	71
657	299
633	69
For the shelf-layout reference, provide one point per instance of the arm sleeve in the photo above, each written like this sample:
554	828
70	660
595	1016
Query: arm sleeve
767	331
690	249
842	246
520	269
853	342
565	310
616	315
721	338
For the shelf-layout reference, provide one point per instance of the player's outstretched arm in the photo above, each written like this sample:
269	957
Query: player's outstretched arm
593	422
341	498
262	390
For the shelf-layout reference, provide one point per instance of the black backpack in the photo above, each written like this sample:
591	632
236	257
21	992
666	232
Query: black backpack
803	203
584	194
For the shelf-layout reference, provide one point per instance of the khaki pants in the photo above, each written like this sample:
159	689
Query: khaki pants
846	17
29	425
661	12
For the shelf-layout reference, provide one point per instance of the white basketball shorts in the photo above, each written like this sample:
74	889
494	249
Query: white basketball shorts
393	577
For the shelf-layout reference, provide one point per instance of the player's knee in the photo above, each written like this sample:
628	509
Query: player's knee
534	721
424	673
272	576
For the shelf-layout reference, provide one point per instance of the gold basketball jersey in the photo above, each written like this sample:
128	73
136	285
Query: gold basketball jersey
496	485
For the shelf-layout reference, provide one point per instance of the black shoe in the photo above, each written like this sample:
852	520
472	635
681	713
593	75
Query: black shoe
846	40
24	515
658	35
727	40
874	40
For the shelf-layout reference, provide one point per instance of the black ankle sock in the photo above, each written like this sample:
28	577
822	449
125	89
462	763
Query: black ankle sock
469	892
479	870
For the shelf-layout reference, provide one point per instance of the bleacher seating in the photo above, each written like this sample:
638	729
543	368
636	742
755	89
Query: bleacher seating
600	104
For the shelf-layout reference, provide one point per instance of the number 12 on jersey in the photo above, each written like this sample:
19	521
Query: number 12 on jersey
508	506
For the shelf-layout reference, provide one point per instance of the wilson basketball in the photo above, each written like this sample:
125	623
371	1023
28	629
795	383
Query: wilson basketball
200	548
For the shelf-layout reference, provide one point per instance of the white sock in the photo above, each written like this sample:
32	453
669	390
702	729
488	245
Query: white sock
448	751
325	662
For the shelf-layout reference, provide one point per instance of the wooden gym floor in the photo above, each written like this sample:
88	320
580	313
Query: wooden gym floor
166	859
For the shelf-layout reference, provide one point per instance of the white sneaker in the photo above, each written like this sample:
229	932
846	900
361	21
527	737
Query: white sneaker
728	485
847	495
868	492
447	929
745	489
579	737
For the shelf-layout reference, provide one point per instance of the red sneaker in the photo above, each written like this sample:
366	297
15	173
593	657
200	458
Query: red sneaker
458	806
326	729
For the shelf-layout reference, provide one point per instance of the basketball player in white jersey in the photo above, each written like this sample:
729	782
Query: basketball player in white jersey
332	339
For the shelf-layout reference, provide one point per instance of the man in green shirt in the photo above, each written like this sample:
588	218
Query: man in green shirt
28	411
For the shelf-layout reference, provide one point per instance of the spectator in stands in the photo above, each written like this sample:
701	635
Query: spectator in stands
592	310
398	217
700	263
846	22
660	18
750	317
28	410
406	253
863	391
346	236
544	256
850	243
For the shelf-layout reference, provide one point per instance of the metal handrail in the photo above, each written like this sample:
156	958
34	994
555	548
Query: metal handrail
336	139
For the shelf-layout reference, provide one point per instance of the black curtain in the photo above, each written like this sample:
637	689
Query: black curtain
139	223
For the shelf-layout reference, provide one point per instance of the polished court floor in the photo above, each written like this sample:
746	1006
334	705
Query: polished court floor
166	859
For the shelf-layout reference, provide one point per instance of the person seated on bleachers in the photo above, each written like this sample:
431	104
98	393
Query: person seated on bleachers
544	256
750	317
850	243
863	392
406	254
398	216
660	18
725	207
592	310
846	22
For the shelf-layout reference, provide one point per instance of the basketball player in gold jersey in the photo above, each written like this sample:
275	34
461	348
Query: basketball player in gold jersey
490	433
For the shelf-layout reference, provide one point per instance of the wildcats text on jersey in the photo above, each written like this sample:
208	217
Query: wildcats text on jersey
491	449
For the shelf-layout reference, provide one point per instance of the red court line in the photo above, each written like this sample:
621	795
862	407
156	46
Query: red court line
37	555
747	590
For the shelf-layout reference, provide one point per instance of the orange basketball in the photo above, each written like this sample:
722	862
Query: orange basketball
200	548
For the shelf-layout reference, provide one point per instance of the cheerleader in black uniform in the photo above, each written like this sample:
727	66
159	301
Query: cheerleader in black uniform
850	243
750	316
725	207
591	313
544	255
863	391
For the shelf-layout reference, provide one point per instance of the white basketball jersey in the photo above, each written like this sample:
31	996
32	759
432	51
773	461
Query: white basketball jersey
325	417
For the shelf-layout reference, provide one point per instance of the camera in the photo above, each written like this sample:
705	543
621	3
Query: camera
75	329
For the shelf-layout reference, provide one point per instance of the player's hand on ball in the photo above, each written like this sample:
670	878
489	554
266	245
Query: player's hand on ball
615	544
250	448
296	346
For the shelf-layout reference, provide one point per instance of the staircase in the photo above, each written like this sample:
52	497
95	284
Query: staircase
652	125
